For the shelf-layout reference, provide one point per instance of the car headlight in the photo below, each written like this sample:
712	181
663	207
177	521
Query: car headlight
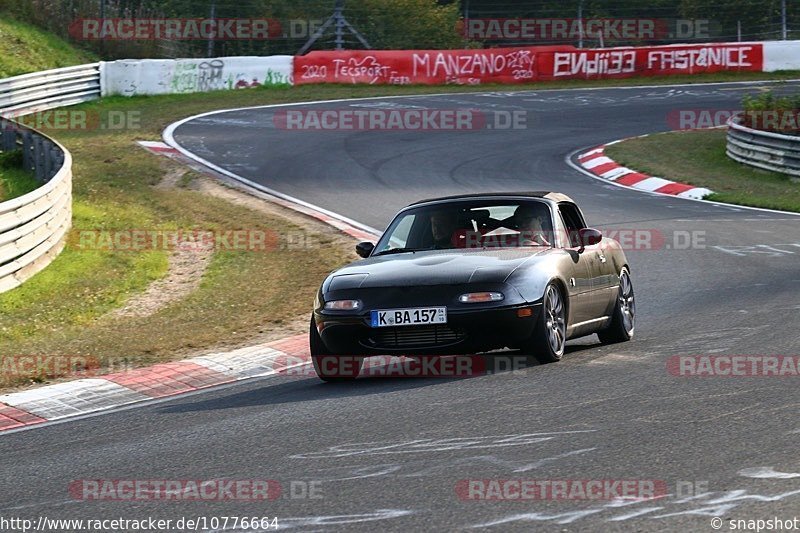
480	297
343	305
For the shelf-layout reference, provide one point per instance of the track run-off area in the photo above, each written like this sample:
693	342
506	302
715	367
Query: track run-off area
394	453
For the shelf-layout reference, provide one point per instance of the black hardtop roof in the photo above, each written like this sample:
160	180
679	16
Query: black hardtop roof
548	195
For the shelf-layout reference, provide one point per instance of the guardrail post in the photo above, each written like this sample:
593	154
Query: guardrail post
38	158
27	151
47	160
58	158
9	137
55	164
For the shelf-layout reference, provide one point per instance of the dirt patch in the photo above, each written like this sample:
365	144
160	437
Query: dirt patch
186	267
234	193
185	272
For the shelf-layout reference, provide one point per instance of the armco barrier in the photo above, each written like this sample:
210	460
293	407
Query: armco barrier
763	149
33	227
49	89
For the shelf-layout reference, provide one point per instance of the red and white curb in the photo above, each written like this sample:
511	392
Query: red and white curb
596	162
157	147
101	393
81	397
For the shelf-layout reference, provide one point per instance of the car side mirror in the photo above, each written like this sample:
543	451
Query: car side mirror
590	237
363	249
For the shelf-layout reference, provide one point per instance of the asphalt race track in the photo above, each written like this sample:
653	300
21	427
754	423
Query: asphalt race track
387	454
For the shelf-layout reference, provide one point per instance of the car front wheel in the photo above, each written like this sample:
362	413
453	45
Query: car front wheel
549	338
623	320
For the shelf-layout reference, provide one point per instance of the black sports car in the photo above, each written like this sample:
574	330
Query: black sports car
474	273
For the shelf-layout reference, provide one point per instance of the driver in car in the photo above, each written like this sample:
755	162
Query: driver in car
443	225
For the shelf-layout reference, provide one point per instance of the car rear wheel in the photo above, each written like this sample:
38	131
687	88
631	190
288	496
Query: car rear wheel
329	366
623	320
548	341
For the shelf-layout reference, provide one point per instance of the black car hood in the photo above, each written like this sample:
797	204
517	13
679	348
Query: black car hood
436	267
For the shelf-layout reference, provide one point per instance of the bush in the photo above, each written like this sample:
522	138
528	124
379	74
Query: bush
768	112
11	159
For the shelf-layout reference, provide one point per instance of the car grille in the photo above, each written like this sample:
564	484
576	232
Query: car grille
414	337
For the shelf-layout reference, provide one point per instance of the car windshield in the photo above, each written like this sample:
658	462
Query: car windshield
469	225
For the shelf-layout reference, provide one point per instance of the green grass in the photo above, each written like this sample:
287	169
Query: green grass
64	310
25	48
698	158
14	181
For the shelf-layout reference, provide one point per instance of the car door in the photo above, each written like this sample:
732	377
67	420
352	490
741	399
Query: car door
580	277
594	261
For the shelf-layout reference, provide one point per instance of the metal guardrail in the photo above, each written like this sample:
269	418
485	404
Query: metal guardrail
33	227
49	89
763	149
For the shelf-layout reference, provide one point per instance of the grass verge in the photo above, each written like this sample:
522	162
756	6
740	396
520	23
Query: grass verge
14	181
25	48
698	158
68	309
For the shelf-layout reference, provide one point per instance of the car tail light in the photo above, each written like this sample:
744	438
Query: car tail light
480	297
343	305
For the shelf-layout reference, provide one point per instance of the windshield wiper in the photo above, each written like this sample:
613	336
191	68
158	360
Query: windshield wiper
396	251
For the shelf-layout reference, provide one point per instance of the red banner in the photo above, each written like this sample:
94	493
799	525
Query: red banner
521	65
652	61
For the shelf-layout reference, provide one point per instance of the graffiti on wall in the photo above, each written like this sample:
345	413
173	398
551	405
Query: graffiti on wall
132	78
216	75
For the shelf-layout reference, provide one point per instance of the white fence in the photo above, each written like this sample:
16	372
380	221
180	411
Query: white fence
176	76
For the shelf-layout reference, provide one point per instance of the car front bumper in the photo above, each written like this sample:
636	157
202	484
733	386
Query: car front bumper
466	332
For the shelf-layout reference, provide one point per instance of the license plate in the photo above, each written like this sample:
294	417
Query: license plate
384	318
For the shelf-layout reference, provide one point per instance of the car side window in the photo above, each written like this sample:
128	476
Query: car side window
573	222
